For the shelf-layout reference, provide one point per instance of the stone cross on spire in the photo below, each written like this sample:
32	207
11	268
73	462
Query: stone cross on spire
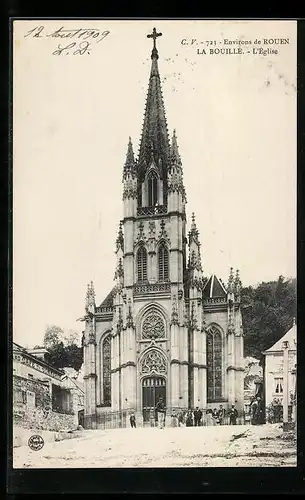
154	35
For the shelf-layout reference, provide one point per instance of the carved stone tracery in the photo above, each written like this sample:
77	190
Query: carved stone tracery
163	235
153	326
130	188
174	319
152	229
141	237
153	362
91	333
175	182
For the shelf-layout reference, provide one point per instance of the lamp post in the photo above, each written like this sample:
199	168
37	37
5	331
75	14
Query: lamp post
294	395
285	385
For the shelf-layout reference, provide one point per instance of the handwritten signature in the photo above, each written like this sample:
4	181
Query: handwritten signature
81	50
80	46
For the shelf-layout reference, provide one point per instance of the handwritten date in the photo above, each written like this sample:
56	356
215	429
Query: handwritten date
81	36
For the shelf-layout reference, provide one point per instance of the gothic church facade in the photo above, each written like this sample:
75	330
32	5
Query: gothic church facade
164	329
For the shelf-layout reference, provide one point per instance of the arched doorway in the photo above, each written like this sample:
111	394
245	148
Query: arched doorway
153	388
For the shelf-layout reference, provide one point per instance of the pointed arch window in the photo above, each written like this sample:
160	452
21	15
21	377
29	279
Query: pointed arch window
214	364
106	354
163	263
152	184
142	264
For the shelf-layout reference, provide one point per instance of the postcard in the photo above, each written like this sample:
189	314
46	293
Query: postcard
154	243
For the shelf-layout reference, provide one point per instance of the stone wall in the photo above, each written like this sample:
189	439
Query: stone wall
37	387
39	419
32	407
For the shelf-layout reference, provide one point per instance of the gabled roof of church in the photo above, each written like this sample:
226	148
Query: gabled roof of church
108	301
154	143
214	288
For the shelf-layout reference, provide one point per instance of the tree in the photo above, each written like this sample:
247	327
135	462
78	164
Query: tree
268	311
74	356
52	337
62	349
71	338
56	355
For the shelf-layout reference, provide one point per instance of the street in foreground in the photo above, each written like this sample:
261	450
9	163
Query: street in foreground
221	446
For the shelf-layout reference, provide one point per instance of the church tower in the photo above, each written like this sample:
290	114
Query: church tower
163	330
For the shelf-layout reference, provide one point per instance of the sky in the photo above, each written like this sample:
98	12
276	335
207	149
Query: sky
235	121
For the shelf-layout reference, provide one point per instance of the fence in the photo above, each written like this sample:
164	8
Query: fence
121	419
107	420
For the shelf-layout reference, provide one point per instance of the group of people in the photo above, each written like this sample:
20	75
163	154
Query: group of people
195	417
190	418
219	415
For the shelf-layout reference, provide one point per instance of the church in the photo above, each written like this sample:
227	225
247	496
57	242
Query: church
164	329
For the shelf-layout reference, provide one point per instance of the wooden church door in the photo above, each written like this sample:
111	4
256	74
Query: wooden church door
153	388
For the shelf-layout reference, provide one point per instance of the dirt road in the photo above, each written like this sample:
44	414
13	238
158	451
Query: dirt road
224	446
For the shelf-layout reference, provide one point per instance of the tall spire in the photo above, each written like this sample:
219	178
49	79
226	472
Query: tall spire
154	139
90	297
230	286
237	285
174	152
237	281
194	233
129	166
120	238
194	253
175	178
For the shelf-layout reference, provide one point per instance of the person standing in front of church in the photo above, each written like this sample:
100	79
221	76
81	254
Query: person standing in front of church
197	416
133	420
221	415
233	415
160	410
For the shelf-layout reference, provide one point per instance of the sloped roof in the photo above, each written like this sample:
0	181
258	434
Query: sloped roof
77	383
108	301
290	336
17	347
214	288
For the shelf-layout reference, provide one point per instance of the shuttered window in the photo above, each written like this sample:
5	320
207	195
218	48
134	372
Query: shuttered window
163	263
152	189
142	264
